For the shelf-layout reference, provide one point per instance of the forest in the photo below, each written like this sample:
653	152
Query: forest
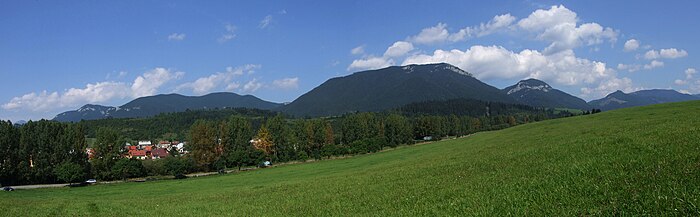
52	152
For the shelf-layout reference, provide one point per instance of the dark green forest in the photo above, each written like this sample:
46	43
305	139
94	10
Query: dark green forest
52	152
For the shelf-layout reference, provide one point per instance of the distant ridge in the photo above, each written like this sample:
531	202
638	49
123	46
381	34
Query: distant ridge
163	103
619	99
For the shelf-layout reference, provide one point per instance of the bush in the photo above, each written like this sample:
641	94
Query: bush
69	172
128	168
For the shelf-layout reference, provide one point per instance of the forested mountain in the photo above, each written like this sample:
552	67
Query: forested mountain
169	126
165	103
619	99
537	93
472	108
391	87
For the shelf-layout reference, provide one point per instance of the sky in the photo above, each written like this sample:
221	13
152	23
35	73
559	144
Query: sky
58	56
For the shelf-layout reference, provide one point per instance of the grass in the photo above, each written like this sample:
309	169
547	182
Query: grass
637	161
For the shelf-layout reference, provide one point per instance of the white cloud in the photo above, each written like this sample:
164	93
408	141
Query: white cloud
690	72
229	34
252	86
497	62
558	25
100	92
541	19
631	45
148	83
432	35
358	50
498	22
215	81
176	37
653	64
689	75
287	83
609	86
630	68
652	54
265	21
370	63
670	53
398	49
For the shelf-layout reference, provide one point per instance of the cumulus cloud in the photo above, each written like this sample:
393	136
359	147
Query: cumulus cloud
439	33
176	37
689	76
498	22
370	62
630	68
653	64
358	50
690	72
631	45
229	34
558	25
265	21
252	86
398	49
670	53
286	83
146	84
217	80
609	86
432	35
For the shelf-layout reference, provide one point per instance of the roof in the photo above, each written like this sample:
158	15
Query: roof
137	152
160	152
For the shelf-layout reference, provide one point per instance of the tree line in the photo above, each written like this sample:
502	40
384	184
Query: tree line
52	152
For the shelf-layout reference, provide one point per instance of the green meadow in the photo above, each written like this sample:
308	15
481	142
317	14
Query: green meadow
636	161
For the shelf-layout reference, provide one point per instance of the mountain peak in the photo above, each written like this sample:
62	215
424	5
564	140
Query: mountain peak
434	67
530	84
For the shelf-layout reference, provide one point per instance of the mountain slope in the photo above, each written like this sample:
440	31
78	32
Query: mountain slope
391	87
164	103
537	93
637	161
619	99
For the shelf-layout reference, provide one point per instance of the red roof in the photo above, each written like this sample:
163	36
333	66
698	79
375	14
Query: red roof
159	152
135	153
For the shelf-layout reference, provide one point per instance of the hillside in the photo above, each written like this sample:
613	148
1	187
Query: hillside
619	99
391	87
165	103
637	161
537	93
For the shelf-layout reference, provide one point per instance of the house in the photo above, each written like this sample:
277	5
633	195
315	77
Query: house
159	153
163	144
138	154
144	144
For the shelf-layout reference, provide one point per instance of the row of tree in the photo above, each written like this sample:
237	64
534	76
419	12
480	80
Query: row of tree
51	152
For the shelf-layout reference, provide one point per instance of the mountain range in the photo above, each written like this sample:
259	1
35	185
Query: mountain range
619	99
378	90
164	103
391	87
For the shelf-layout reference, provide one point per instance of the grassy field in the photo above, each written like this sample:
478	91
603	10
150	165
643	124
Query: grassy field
638	161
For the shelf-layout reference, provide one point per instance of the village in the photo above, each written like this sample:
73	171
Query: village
147	150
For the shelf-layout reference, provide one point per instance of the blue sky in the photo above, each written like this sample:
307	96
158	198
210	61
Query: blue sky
58	56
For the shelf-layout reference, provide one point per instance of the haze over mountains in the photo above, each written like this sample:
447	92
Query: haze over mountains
381	89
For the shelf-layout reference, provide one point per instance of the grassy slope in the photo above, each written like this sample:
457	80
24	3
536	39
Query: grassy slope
629	161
